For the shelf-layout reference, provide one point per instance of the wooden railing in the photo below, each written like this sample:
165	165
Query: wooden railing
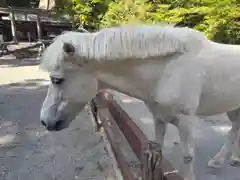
109	115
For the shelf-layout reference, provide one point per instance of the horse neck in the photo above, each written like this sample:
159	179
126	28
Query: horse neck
128	77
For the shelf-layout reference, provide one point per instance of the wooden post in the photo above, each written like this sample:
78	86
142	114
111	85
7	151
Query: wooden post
153	165
13	27
39	31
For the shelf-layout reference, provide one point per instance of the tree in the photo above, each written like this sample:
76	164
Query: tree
47	4
3	3
90	12
218	19
126	12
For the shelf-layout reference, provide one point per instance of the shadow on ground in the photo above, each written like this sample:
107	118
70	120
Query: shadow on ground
34	83
17	62
29	152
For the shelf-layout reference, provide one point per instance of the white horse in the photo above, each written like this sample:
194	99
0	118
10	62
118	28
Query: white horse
176	72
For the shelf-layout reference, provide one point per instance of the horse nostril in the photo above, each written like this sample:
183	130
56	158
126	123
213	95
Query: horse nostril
54	126
59	124
43	123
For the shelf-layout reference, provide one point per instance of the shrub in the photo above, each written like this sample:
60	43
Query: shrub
219	20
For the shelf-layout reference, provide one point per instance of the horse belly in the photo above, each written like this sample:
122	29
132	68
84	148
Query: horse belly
221	79
220	98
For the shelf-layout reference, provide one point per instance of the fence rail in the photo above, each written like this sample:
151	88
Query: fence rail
109	115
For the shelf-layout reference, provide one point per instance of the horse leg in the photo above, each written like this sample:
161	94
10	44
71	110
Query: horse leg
185	133
160	131
177	94
235	158
234	116
185	129
226	150
159	124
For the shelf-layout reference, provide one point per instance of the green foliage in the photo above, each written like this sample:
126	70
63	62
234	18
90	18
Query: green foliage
126	12
64	7
90	13
219	20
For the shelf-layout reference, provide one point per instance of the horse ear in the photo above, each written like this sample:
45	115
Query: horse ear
68	48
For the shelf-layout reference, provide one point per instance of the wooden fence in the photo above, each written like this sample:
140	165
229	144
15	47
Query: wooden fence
115	121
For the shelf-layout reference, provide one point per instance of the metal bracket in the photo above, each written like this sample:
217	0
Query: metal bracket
152	162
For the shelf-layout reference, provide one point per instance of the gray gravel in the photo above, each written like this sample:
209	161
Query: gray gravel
209	134
27	150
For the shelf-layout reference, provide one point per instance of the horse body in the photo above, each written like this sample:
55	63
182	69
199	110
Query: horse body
139	79
191	76
221	77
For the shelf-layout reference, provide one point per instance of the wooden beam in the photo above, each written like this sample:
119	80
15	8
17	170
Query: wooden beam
13	27
39	30
40	12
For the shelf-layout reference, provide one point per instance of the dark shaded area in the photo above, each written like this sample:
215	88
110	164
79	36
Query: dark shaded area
26	83
19	3
18	62
191	20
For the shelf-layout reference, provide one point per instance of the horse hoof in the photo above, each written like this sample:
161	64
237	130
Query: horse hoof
234	161
214	164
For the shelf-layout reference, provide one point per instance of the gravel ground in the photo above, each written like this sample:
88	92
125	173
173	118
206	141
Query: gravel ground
27	150
209	135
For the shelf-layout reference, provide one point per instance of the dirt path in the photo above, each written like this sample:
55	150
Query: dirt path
27	151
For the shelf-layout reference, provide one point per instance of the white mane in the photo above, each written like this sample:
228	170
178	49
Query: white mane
125	42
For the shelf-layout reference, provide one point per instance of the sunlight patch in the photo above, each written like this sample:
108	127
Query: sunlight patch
40	134
129	100
221	129
7	139
146	120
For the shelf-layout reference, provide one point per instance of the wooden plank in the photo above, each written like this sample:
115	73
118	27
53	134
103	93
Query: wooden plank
153	163
40	12
13	27
110	130
39	29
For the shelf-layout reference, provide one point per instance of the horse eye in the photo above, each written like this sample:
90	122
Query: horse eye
56	80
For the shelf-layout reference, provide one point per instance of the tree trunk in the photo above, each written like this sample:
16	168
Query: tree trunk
46	4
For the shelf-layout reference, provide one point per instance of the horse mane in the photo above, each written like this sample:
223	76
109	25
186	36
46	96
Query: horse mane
53	56
49	59
124	43
144	42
